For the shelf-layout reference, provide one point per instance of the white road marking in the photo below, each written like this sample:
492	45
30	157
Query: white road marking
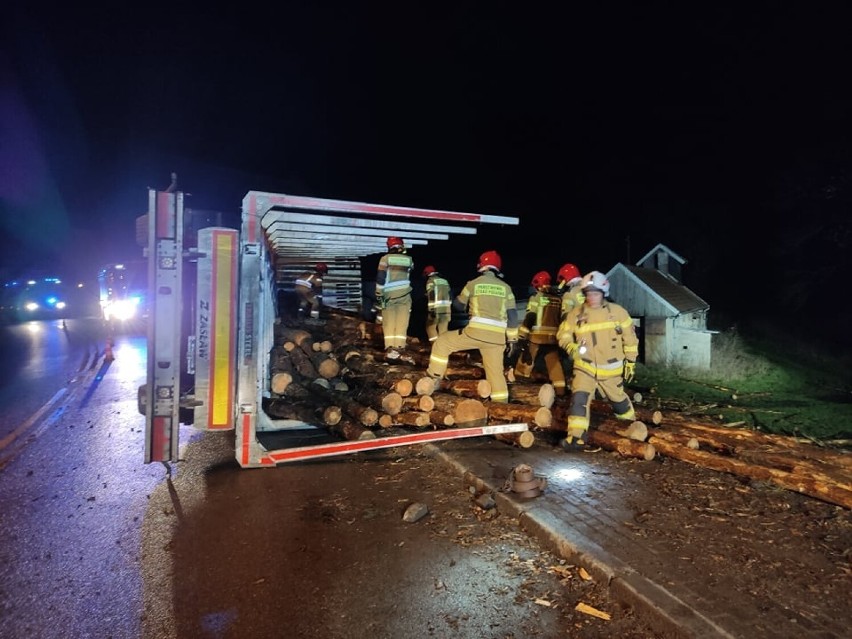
8	439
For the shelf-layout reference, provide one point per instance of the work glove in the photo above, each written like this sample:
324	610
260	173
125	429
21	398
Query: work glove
377	309
629	371
511	348
525	356
510	351
569	347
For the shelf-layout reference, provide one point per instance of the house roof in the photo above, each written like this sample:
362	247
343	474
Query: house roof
666	249
666	288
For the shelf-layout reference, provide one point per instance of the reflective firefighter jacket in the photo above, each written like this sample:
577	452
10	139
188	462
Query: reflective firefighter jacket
491	308
438	295
571	298
542	318
309	282
393	276
599	339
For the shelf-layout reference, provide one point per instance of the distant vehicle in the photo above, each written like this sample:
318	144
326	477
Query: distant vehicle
34	299
123	292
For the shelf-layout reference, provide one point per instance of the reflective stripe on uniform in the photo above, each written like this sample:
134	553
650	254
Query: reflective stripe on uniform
606	370
544	330
487	320
500	396
395	285
305	283
578	422
598	326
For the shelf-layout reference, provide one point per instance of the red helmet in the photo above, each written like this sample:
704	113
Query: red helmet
490	259
428	270
321	267
540	279
395	242
567	273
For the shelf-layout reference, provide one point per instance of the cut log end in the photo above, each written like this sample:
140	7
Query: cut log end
392	403
470	411
280	382
637	431
329	368
547	395
332	415
425	386
404	387
524	439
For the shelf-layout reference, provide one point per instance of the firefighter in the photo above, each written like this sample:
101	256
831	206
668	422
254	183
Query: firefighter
309	290
438	303
537	333
568	280
393	295
600	337
568	286
492	324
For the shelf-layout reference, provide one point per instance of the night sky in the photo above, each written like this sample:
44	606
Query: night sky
722	132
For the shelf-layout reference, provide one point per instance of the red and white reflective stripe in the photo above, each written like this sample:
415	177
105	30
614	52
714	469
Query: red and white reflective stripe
245	436
321	204
343	448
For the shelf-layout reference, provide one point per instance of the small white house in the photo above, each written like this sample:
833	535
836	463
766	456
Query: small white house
671	320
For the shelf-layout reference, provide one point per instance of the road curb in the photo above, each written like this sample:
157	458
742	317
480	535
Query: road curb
652	601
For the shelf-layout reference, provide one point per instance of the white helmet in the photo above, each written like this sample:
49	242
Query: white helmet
595	281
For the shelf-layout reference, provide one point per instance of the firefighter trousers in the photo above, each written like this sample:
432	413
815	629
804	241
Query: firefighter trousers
395	317
552	357
492	360
583	386
436	323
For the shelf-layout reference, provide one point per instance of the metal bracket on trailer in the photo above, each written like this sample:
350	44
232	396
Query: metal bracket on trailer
342	448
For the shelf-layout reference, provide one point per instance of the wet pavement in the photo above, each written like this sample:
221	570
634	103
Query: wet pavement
588	514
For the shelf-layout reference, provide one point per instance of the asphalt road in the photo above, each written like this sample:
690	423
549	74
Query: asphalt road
97	544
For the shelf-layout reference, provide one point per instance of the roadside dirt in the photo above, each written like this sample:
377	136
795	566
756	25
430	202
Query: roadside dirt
750	539
536	583
775	555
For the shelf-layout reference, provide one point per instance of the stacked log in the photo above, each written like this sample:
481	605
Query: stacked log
396	392
817	472
524	439
366	368
349	429
540	416
465	411
540	394
476	388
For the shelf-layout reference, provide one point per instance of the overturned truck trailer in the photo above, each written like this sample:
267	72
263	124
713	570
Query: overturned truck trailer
213	293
